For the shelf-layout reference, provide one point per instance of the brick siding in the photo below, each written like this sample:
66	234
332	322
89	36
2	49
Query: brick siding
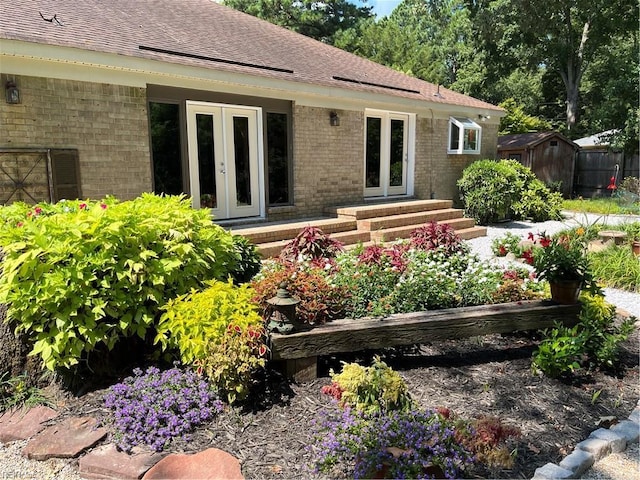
107	124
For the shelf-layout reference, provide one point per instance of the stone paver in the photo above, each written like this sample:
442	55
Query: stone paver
578	462
107	462
628	429
596	446
551	471
23	423
66	439
618	442
211	464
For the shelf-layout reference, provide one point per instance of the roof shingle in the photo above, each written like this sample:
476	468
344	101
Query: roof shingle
205	34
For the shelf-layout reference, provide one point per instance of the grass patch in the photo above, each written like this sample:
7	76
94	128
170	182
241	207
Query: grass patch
602	206
617	267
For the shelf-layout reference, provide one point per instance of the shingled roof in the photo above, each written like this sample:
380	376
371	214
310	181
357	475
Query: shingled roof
528	140
207	35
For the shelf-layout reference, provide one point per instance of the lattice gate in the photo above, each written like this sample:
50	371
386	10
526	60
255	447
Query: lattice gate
34	175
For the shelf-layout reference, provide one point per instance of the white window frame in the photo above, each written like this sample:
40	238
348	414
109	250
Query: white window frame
464	125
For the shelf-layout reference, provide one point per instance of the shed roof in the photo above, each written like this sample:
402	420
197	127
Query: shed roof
520	141
207	35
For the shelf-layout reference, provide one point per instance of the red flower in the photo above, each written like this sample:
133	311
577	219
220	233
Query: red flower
37	210
103	206
82	206
530	236
20	224
445	412
502	251
545	241
612	184
527	255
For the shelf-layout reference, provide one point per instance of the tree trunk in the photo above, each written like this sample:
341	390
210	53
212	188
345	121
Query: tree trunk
572	104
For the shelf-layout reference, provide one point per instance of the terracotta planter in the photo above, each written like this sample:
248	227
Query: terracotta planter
565	292
635	248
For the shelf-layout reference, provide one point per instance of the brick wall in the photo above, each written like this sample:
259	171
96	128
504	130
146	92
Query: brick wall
328	162
107	124
436	171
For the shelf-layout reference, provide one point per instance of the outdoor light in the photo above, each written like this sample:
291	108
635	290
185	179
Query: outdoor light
334	119
12	92
283	318
482	118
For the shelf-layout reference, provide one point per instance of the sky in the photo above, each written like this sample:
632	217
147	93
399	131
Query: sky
381	8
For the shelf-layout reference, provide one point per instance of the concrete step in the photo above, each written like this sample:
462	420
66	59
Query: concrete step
360	212
392	221
274	232
389	234
472	232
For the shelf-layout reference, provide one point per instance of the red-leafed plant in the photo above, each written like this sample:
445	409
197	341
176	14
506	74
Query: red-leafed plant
311	243
319	301
435	235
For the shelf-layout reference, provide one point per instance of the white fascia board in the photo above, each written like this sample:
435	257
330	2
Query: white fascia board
39	60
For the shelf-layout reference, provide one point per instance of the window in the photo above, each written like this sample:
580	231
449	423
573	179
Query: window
278	164
166	149
464	136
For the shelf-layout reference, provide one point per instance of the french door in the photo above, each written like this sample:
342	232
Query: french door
225	159
386	154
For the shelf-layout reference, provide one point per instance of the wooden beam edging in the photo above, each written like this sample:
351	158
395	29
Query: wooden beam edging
348	335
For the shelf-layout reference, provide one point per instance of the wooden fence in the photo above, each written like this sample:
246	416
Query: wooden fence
594	169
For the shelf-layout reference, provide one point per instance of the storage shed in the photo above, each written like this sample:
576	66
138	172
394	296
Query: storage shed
550	155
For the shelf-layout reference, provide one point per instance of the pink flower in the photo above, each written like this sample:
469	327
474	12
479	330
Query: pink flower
37	210
82	206
103	206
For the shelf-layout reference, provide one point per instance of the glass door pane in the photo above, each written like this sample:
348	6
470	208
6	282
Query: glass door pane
242	160
373	154
166	149
206	161
397	154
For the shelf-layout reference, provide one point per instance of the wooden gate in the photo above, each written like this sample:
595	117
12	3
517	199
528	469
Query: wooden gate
33	175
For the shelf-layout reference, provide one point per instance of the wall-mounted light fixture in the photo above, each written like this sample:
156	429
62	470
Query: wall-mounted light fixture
482	118
12	92
334	119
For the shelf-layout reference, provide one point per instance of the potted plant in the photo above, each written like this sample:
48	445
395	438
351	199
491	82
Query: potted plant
562	261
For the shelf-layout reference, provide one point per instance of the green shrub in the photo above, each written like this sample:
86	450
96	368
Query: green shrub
192	321
560	351
593	343
488	188
538	203
369	389
508	243
602	337
249	261
493	190
78	276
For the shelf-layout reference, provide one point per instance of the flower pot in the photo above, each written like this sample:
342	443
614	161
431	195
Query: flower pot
635	248
565	292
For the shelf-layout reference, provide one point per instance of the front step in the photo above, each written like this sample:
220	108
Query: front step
361	212
392	221
274	232
390	234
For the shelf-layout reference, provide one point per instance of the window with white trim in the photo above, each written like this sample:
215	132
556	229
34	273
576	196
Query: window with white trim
464	136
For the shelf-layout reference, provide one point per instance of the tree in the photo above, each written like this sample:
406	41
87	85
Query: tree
517	121
564	36
321	20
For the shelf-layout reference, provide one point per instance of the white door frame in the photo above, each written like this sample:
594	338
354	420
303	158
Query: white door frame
223	115
384	190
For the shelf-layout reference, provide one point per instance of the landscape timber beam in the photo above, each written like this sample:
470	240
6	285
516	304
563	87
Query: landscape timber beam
349	335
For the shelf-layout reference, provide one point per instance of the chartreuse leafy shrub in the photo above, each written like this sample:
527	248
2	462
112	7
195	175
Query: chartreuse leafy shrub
493	190
79	276
153	407
593	343
369	389
220	331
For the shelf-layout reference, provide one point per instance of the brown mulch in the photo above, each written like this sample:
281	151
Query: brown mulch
490	375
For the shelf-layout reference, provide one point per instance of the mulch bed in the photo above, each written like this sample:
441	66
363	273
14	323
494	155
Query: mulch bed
488	375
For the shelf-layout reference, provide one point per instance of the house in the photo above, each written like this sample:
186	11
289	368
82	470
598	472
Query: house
550	155
250	119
